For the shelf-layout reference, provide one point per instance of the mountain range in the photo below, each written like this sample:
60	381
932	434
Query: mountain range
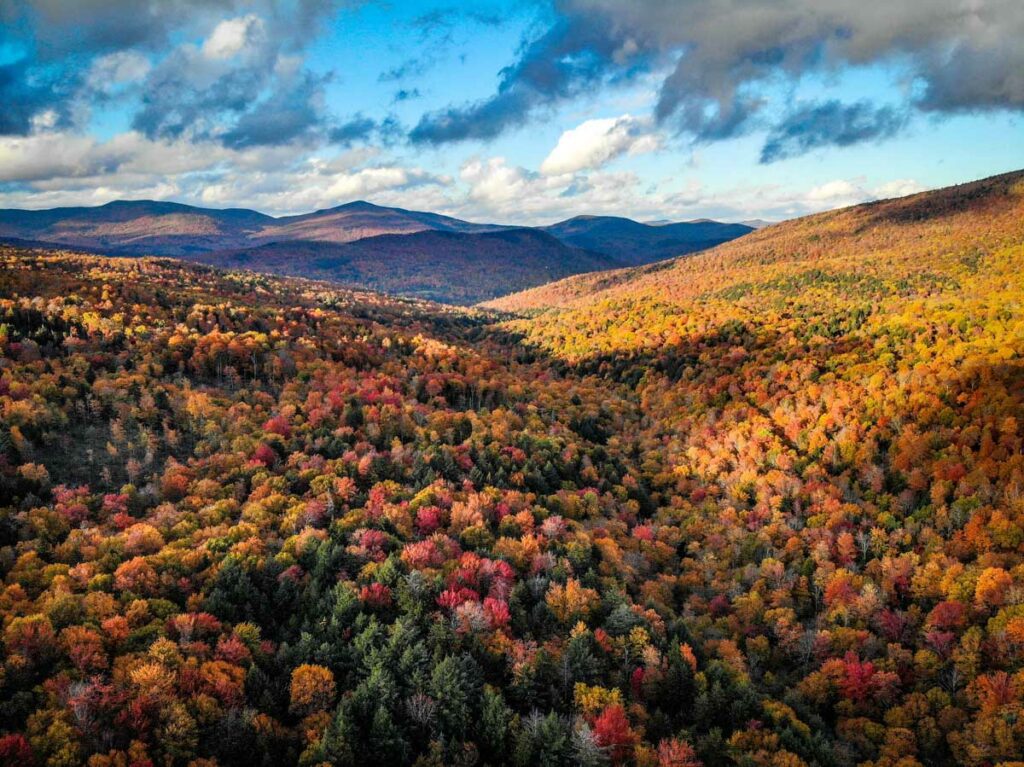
410	253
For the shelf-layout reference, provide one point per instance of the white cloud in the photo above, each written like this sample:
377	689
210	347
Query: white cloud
498	191
370	180
843	192
836	192
594	143
47	155
56	168
230	36
900	187
114	69
304	189
495	182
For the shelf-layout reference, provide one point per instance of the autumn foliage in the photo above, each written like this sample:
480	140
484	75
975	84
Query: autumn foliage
764	506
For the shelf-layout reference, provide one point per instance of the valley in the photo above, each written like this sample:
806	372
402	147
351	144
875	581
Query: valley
755	505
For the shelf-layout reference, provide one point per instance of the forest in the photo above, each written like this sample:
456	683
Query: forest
760	506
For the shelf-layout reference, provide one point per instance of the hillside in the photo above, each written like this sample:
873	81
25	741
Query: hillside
757	506
170	229
447	266
631	242
902	238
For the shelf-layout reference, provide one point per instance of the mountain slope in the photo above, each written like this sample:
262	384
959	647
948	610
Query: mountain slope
429	264
898	241
167	228
446	266
631	242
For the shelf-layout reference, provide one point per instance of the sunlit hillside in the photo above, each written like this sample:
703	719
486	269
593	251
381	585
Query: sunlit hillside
910	238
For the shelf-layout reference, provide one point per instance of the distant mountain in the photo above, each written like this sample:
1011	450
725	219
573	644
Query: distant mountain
445	266
446	258
634	243
358	220
171	229
129	227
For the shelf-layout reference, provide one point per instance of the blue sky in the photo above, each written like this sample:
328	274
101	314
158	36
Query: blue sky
508	111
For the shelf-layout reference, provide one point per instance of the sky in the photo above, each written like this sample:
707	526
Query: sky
513	112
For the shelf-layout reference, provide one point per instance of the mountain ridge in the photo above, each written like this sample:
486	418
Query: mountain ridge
23	220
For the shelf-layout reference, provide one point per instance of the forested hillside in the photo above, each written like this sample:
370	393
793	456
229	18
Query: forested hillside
932	233
631	242
451	267
759	506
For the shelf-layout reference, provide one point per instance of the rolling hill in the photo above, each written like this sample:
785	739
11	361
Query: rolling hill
165	228
446	266
359	220
135	227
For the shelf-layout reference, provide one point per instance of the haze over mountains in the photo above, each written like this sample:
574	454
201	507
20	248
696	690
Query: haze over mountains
406	252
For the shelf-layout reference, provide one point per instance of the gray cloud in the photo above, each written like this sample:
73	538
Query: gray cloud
483	120
575	52
257	95
242	85
966	56
415	66
438	32
25	96
58	27
443	20
831	123
359	128
405	94
291	112
180	95
977	79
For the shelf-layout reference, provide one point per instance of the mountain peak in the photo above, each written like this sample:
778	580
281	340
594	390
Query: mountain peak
360	205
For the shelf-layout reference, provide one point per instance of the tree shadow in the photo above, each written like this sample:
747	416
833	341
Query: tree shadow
989	195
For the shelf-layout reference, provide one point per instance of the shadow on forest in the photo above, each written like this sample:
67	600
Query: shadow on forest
957	200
